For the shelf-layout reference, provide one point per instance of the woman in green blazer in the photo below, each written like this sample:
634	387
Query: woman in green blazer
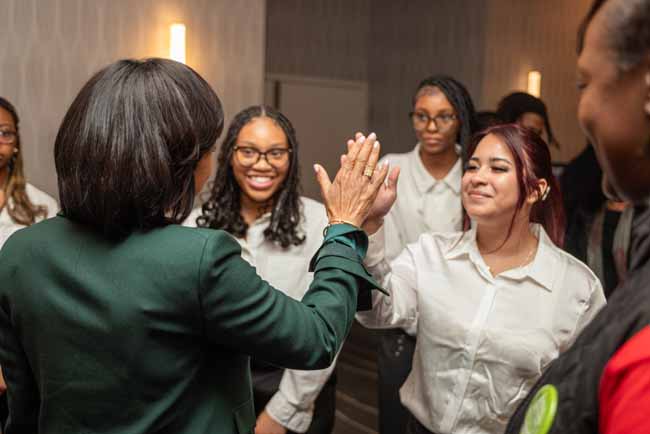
116	319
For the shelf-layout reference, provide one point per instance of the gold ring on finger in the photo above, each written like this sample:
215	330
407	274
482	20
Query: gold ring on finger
368	171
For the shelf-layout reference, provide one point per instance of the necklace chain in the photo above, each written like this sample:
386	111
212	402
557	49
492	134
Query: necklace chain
525	261
530	255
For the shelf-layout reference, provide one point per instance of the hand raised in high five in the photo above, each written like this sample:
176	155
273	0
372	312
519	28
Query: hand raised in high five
385	197
350	196
383	202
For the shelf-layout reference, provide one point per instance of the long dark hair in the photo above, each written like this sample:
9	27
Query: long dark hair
532	162
223	209
20	209
128	146
460	99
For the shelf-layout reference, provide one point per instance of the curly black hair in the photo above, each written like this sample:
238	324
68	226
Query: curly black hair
223	209
461	100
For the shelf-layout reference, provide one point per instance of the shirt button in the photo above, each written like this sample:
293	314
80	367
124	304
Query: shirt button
400	348
397	353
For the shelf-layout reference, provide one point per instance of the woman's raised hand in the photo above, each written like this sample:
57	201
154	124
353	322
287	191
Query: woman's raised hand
351	195
384	200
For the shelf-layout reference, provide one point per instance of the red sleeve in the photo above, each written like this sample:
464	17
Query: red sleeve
624	393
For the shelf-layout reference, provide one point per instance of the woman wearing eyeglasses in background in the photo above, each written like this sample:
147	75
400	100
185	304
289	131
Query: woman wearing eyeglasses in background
256	198
21	204
428	200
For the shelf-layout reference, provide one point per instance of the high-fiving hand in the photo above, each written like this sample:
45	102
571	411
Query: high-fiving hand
358	190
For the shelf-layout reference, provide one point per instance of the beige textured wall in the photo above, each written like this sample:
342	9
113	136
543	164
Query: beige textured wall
410	41
490	45
318	38
532	34
51	47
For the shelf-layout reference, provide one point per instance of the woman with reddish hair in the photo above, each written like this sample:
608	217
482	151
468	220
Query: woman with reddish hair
492	305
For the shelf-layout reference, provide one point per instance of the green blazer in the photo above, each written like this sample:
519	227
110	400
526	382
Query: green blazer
152	334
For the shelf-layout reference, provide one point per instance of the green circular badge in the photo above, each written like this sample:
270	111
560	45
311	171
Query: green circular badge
541	411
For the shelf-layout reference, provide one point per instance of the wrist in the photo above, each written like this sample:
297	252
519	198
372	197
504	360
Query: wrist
372	226
348	221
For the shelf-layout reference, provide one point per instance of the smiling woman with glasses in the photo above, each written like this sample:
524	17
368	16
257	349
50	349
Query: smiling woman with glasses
256	198
249	156
21	204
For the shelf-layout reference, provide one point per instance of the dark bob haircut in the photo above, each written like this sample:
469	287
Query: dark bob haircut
532	162
128	146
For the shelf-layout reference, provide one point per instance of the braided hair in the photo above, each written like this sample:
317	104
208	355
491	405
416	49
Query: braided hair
223	209
460	99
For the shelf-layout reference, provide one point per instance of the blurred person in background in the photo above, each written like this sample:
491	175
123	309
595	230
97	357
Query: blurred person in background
600	386
598	228
528	111
21	204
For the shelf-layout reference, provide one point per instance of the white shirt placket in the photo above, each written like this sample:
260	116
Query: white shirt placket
473	340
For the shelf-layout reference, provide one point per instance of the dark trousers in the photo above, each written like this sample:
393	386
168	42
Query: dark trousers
266	381
394	364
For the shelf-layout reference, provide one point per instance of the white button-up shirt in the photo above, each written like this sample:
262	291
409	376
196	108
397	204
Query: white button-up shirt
37	197
287	270
482	340
423	203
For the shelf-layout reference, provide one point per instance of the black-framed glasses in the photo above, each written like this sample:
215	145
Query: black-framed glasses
249	156
8	137
442	121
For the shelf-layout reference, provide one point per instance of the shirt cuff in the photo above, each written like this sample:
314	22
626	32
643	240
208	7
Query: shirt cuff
337	252
349	235
376	248
289	416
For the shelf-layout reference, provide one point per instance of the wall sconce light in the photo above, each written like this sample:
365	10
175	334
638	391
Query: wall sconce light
177	42
535	83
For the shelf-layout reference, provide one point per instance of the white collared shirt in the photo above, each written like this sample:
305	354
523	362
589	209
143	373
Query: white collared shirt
482	341
37	197
423	203
287	270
